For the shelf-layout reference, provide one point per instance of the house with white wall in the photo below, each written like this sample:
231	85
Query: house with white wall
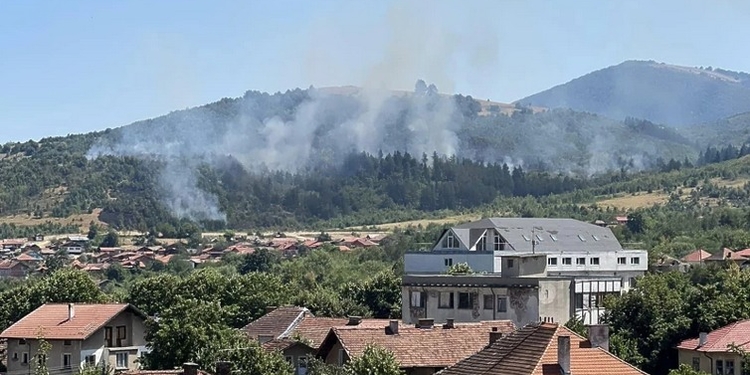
586	254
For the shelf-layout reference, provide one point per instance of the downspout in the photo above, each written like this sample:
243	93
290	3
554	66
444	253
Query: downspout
711	363
494	304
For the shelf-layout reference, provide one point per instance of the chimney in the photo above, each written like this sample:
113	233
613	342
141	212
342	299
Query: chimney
563	354
495	335
449	324
354	320
190	368
599	336
702	339
392	328
71	311
426	323
223	368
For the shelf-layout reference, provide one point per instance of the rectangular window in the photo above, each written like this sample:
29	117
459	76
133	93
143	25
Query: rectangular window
417	299
635	260
632	282
66	359
621	260
25	358
552	261
289	359
697	363
90	360
22	342
448	262
567	261
341	357
121	335
465	301
579	300
67	342
510	263
719	367
108	336
580	261
489	302
729	367
122	360
445	300
499	244
482	244
502	304
450	241
594	261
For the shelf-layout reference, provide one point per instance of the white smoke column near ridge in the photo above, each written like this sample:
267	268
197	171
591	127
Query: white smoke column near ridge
183	196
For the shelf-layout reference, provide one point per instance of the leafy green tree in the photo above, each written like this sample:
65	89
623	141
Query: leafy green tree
111	239
93	231
636	224
374	360
686	370
262	260
576	325
381	294
246	356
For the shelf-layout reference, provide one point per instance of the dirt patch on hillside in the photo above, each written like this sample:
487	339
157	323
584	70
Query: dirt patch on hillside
80	220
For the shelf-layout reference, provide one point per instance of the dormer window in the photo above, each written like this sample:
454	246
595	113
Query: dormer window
450	241
499	244
482	244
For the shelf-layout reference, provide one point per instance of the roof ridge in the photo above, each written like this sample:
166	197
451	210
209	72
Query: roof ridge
509	352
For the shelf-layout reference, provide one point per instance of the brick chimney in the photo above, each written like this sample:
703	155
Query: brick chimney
599	336
495	335
189	368
71	311
223	368
354	320
563	354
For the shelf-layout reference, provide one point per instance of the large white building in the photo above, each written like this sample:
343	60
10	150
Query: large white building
587	255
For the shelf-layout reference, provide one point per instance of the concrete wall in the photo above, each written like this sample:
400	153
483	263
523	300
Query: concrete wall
435	262
333	355
708	365
54	356
523	304
295	356
524	266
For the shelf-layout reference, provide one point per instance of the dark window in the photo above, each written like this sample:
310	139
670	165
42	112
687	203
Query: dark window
450	242
635	260
108	336
567	261
121	335
552	261
595	261
22	342
719	367
67	361
67	342
580	261
90	360
579	300
489	302
25	358
621	260
448	262
510	263
482	244
502	304
445	300
730	367
465	301
697	363
417	299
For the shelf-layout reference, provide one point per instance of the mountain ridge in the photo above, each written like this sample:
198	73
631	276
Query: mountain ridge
659	92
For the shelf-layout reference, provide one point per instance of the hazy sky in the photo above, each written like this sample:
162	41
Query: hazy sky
78	66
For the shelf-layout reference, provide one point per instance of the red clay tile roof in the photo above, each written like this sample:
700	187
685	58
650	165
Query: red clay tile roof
696	256
315	329
51	320
532	350
416	347
737	333
276	322
27	258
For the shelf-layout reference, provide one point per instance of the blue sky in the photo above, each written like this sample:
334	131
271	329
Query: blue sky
78	66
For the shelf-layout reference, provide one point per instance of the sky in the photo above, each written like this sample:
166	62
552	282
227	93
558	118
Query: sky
79	66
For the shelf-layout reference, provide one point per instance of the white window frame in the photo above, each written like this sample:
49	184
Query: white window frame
580	261
482	243
622	260
415	299
119	357
69	357
447	302
594	261
635	260
552	261
567	261
504	304
451	242
498	242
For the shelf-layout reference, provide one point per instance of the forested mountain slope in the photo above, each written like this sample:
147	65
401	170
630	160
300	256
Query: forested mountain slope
662	93
302	157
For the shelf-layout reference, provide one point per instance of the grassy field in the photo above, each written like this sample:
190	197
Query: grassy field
80	220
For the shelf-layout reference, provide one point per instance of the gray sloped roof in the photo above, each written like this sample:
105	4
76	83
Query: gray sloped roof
554	235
